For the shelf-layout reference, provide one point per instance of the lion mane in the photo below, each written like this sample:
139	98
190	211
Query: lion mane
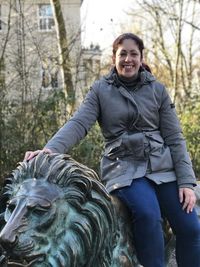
85	226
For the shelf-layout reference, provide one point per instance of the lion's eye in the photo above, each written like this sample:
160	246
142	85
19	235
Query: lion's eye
39	211
11	207
9	210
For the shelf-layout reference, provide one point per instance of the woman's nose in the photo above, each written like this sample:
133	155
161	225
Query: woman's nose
128	57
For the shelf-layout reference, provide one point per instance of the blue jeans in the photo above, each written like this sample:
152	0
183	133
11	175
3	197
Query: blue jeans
147	201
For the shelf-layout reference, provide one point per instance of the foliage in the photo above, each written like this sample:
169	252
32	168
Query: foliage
27	127
171	43
190	119
30	127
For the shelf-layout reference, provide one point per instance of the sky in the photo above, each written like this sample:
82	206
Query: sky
101	20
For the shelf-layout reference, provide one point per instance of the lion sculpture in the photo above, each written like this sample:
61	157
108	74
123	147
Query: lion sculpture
56	213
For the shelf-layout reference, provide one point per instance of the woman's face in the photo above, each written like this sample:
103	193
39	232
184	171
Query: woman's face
128	58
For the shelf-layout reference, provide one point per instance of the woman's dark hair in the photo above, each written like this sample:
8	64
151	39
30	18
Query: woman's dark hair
126	36
136	39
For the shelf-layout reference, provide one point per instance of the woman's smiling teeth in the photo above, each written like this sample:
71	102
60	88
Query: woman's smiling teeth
128	67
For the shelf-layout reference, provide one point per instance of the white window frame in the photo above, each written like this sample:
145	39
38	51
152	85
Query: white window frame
46	21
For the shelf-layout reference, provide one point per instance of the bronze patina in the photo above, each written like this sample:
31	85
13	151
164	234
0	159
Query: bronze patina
56	213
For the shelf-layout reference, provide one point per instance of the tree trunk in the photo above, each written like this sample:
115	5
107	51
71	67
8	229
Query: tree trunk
63	42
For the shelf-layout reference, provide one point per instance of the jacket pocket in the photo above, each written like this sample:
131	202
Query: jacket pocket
159	155
112	168
114	149
134	144
129	144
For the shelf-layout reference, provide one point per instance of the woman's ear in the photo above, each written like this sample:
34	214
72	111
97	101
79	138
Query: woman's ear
113	60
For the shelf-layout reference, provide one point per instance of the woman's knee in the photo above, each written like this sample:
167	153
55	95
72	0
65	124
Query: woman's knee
189	229
192	232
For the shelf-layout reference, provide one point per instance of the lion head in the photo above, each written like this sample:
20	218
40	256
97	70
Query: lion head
58	214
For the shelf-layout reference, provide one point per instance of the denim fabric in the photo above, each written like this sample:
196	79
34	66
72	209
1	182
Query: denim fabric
146	201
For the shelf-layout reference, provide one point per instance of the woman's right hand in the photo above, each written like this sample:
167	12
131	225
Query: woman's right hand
31	154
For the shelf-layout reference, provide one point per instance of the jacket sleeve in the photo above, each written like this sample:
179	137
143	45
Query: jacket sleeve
77	127
172	134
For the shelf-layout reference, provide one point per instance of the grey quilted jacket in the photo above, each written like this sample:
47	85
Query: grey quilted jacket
142	133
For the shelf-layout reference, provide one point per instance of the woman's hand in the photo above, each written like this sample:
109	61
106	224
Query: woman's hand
31	154
188	198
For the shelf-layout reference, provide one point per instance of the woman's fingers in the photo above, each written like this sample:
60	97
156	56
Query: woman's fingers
188	198
31	154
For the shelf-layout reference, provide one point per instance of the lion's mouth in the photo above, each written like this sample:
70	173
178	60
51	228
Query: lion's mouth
26	262
22	255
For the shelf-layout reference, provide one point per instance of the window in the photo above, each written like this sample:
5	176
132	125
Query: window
46	20
49	79
54	80
49	72
45	78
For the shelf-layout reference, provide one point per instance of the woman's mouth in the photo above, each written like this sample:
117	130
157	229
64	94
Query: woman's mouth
128	67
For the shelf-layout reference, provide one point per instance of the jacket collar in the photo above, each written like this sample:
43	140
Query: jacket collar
145	77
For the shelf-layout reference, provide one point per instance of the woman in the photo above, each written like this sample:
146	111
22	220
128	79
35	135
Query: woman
145	162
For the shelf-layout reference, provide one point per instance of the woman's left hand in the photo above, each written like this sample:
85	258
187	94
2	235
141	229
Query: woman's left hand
188	198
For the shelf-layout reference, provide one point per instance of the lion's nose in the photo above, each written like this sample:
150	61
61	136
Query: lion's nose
8	239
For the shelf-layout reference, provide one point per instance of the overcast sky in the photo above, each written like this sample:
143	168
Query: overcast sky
101	20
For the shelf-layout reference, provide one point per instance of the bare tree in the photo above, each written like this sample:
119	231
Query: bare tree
31	110
172	37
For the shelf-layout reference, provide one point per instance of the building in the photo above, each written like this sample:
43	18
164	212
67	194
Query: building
29	51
